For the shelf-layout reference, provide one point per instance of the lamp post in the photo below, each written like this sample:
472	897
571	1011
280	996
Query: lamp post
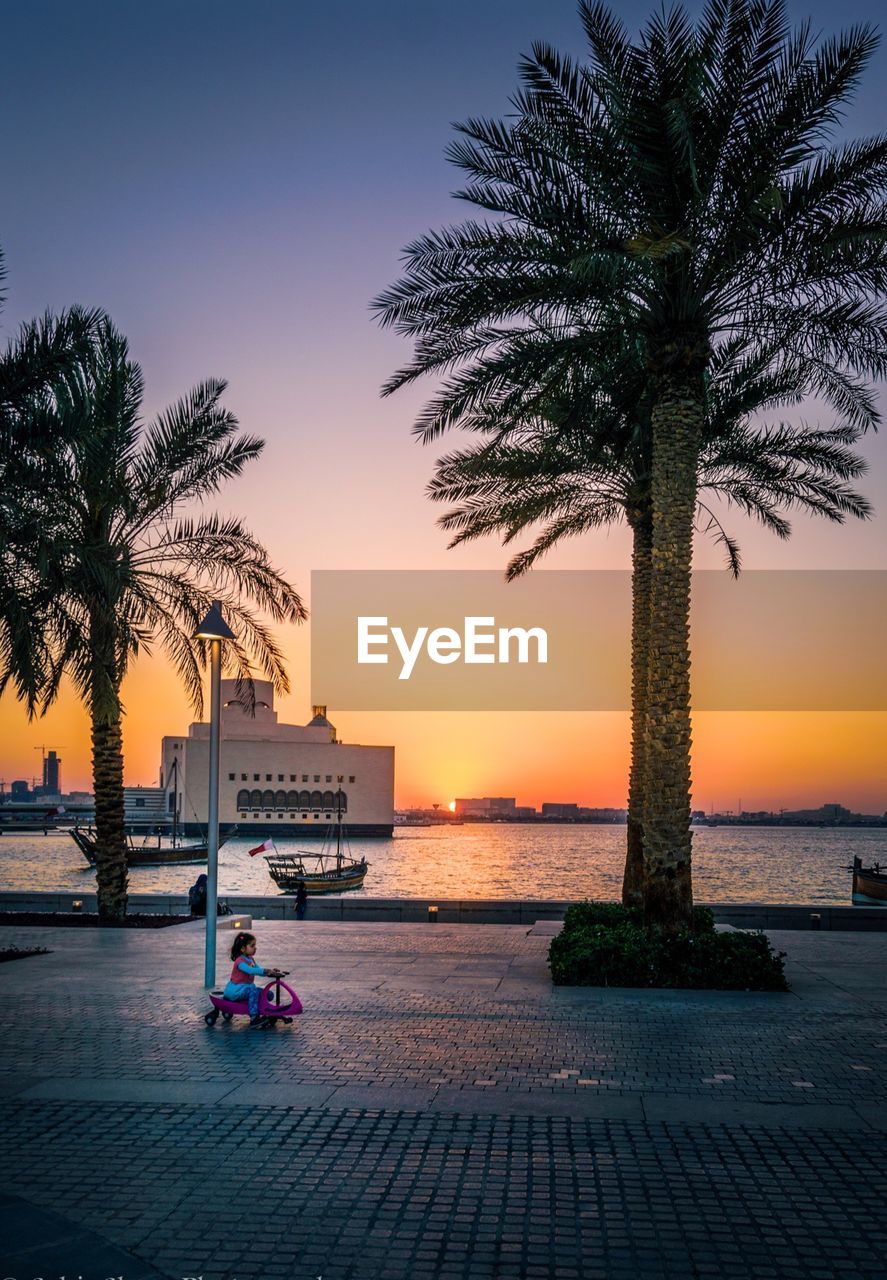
215	629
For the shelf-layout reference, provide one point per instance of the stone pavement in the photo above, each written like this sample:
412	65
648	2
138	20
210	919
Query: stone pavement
440	1110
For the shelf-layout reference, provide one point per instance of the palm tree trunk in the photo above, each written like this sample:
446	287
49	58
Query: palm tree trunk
107	773
677	421
633	879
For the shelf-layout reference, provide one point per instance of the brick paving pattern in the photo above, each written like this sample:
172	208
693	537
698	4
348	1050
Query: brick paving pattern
357	1194
441	1110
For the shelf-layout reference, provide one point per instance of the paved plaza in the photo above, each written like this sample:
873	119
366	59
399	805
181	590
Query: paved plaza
439	1110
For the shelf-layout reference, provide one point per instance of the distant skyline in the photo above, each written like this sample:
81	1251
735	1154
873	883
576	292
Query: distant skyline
714	809
234	185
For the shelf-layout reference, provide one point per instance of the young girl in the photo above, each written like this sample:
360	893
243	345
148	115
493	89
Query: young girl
242	983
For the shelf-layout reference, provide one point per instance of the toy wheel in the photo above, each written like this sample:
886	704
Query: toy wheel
227	1017
211	1018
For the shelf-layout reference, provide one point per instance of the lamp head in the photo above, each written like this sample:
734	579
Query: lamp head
214	626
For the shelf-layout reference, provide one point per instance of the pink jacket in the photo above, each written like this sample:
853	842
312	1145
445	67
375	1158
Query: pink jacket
239	975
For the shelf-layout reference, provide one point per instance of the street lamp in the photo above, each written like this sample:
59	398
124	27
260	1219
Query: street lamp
215	629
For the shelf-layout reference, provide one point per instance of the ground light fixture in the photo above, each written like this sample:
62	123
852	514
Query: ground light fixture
432	915
215	630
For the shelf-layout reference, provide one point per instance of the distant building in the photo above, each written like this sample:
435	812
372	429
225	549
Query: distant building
78	797
19	790
571	812
486	807
283	778
147	806
551	809
607	814
825	813
52	774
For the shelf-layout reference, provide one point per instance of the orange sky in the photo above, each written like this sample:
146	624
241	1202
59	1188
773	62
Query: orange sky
374	515
768	760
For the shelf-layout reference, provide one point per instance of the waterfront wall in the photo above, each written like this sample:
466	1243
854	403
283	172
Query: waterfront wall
743	915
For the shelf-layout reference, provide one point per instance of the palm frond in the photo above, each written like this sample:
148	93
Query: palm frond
97	563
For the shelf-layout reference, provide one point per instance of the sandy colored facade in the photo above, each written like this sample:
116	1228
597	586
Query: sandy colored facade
280	778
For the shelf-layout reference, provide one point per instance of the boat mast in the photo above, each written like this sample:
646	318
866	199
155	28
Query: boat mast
339	827
175	800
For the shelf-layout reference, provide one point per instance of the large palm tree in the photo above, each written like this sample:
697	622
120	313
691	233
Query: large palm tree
553	473
123	561
684	189
578	456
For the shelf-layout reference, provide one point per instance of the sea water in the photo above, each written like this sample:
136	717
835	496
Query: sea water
731	864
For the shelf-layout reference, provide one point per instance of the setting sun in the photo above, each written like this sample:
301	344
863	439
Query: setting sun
452	806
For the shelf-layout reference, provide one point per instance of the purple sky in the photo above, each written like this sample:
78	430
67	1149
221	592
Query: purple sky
233	183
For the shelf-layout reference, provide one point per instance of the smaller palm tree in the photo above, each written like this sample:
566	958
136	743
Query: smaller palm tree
123	561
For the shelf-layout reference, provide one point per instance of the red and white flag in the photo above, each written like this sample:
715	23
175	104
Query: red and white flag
267	846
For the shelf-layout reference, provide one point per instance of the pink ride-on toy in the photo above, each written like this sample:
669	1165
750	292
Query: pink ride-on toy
271	1005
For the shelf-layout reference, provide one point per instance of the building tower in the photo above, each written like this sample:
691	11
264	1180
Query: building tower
52	774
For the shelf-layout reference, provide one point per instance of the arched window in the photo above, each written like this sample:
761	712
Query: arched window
280	799
304	799
341	800
292	799
328	800
255	799
268	799
316	799
243	799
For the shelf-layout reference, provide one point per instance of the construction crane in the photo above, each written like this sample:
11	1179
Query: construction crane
42	750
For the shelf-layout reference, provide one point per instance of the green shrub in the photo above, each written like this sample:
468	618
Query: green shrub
602	956
721	962
703	920
612	914
605	944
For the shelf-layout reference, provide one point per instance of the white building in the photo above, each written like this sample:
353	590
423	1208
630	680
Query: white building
282	778
147	807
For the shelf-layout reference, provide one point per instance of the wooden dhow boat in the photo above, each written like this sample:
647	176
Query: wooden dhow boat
153	852
869	884
333	870
156	850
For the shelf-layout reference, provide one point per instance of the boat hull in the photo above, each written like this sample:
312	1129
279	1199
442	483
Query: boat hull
145	856
166	857
315	885
870	890
869	886
288	871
